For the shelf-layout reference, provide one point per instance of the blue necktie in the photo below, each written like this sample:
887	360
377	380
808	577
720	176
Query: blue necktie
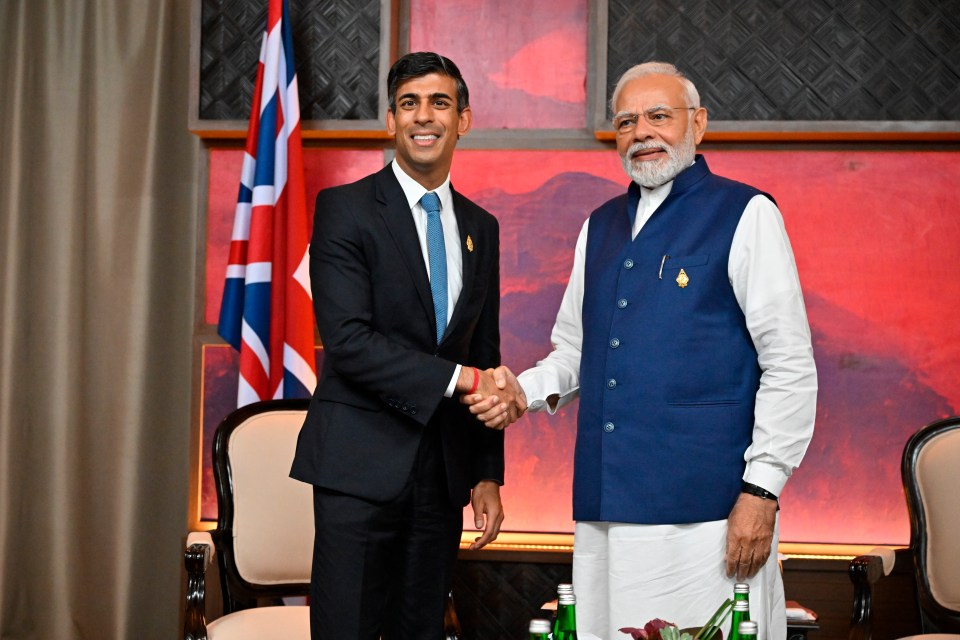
437	253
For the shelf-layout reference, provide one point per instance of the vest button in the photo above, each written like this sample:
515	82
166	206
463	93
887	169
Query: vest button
614	343
608	427
622	303
611	384
628	264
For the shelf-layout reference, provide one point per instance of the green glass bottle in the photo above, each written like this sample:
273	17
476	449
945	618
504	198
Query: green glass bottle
747	630
741	591
539	629
562	588
565	627
741	613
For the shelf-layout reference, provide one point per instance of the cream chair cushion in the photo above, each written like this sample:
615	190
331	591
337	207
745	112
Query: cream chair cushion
938	478
273	514
265	623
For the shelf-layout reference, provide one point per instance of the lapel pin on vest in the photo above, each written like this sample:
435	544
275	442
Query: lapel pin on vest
469	244
682	279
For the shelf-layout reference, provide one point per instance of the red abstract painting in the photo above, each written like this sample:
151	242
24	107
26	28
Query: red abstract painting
532	75
876	252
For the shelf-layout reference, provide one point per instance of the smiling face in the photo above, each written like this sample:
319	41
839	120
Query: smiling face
426	125
654	155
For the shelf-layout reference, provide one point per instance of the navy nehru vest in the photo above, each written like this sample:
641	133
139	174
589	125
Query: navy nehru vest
669	374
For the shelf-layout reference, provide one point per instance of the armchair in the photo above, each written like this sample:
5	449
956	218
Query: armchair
930	470
263	541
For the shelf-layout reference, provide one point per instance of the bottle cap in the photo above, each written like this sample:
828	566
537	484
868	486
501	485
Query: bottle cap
741	605
741	587
747	628
564	587
539	625
566	598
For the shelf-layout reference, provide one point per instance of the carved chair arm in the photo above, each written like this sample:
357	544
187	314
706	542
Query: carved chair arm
196	559
864	572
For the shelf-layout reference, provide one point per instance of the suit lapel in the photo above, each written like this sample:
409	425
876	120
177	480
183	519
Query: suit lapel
392	206
468	235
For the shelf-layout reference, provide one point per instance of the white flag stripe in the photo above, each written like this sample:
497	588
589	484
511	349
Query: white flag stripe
302	273
245	393
259	272
250	337
241	222
248	170
238	271
264	195
291	106
280	166
300	368
270	68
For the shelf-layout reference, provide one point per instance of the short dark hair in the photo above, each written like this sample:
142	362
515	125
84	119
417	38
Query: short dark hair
422	63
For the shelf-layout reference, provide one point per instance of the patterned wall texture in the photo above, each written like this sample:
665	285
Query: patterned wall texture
800	59
336	46
496	600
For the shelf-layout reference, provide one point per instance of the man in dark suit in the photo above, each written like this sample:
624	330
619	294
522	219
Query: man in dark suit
405	279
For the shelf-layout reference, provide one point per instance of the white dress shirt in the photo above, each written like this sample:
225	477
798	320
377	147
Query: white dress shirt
413	190
763	274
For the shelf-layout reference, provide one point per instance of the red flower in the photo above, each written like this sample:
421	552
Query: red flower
650	631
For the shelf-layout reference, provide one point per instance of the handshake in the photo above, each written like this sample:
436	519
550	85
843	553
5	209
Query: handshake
497	399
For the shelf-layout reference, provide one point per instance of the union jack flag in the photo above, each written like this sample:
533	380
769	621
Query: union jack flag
266	312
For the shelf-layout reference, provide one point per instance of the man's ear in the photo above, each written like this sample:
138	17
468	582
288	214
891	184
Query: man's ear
466	121
699	123
391	123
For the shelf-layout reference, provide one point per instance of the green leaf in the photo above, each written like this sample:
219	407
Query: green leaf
708	630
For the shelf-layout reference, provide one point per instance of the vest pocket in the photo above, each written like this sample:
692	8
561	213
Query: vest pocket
674	264
702	403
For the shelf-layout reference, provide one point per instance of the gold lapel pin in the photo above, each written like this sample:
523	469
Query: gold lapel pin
469	244
682	279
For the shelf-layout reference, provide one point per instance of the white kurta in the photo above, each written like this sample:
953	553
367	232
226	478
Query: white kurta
625	574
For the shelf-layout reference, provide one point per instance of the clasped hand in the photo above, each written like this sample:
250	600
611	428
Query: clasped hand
499	400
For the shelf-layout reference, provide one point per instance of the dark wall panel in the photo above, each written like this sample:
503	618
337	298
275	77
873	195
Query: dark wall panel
811	60
336	47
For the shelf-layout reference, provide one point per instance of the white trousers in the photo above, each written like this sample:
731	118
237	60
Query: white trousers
625	575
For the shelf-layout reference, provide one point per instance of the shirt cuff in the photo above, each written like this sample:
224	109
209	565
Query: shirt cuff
765	475
538	386
453	382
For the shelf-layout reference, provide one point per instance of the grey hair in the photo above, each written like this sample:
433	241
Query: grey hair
652	68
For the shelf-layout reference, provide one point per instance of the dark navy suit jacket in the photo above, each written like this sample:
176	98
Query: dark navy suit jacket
384	376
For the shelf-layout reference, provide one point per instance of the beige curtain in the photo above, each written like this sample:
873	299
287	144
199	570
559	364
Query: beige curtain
98	215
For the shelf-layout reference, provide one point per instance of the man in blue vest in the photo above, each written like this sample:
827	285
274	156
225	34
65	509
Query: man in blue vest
684	333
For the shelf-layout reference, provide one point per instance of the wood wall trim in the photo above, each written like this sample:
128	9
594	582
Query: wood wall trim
816	136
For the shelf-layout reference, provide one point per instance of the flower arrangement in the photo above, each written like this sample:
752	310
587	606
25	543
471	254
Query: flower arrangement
658	629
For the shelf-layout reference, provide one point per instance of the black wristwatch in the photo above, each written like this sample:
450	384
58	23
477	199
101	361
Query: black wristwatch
754	490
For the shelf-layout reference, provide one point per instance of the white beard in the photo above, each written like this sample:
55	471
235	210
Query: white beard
653	173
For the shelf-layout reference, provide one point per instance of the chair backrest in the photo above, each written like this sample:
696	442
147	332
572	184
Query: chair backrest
931	480
264	534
